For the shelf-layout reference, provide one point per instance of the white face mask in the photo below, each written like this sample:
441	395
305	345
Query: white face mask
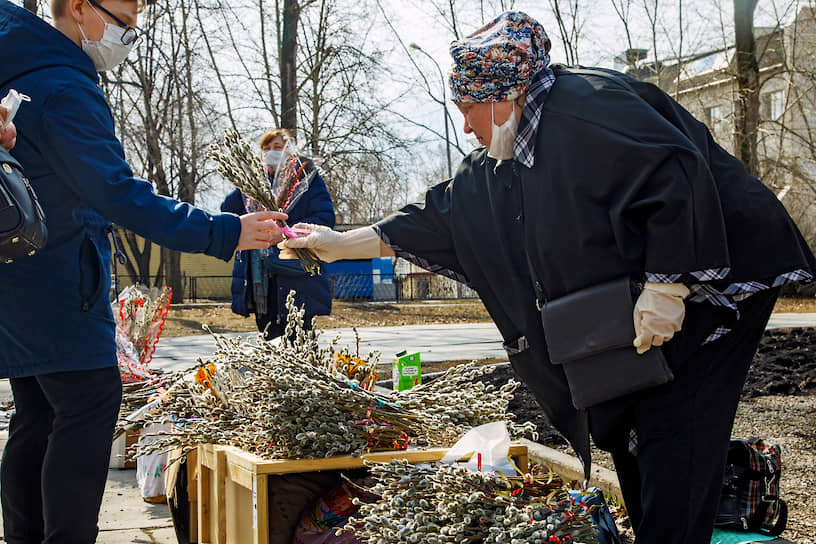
108	52
273	158
502	138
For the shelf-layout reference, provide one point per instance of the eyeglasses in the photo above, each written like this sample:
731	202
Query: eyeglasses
130	35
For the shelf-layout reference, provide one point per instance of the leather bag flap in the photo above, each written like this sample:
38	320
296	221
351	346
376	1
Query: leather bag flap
589	321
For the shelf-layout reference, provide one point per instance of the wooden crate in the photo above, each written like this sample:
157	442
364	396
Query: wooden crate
120	456
228	488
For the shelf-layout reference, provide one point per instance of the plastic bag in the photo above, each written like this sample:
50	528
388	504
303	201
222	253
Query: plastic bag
139	323
331	510
150	468
595	503
490	446
130	368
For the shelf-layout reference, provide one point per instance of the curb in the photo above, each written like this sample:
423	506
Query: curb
569	468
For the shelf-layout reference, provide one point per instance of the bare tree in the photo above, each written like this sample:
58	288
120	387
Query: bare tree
344	122
747	111
786	136
651	9
161	112
622	8
288	45
568	17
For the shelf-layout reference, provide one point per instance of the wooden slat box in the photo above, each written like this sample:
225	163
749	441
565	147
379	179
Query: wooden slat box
228	488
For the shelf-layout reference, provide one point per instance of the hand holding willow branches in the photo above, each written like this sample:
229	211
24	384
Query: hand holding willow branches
258	230
238	163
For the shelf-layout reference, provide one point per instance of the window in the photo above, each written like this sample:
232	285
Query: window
715	118
773	105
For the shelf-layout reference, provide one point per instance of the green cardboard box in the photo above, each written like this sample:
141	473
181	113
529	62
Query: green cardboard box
406	371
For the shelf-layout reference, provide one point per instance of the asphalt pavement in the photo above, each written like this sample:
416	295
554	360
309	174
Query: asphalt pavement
126	518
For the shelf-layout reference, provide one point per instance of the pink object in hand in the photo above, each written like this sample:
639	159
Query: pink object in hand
293	232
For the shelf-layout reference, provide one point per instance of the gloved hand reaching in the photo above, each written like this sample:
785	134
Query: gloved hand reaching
330	245
659	313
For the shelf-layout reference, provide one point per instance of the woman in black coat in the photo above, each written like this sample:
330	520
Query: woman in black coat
586	176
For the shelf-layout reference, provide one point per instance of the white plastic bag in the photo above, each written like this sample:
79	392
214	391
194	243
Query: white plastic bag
150	468
490	446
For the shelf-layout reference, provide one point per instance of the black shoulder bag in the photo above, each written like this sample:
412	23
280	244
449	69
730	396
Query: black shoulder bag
590	332
22	220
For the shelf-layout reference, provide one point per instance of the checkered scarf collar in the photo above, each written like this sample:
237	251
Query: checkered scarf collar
524	146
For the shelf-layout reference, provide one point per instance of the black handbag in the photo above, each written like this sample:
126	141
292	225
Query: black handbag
22	220
590	332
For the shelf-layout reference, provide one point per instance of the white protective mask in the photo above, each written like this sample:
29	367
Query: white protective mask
108	52
502	138
273	158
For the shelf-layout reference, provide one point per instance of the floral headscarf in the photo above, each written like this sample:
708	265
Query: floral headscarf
498	61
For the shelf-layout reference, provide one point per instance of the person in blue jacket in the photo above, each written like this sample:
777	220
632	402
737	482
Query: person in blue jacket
57	341
261	281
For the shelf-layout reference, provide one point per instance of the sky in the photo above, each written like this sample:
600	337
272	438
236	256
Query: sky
705	23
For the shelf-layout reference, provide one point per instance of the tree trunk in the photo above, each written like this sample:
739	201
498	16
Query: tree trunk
746	112
173	275
288	66
138	263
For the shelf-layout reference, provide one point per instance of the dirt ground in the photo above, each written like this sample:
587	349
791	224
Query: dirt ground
184	320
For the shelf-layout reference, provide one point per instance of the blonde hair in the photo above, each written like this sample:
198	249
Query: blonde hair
275	133
58	6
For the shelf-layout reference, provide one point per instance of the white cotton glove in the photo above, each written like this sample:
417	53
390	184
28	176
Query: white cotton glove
329	245
659	313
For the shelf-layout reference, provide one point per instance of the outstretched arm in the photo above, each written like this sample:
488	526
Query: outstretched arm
330	245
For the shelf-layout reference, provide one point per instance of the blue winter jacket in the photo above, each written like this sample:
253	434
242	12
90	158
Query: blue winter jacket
55	315
316	207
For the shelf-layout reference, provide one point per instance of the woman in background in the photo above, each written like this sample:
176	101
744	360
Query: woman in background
261	281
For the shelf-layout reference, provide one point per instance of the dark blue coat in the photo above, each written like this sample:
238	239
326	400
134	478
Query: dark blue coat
55	315
315	207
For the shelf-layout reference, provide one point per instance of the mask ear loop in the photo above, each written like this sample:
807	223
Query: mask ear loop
104	22
493	124
492	113
84	37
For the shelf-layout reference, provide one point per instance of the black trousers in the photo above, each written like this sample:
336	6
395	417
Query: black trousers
55	463
671	443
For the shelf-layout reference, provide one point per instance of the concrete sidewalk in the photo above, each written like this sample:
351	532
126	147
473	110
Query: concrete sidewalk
125	517
434	342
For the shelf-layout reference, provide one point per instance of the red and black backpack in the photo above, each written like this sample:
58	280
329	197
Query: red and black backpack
750	495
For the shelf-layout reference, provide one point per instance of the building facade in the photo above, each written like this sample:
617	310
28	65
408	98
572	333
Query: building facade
706	85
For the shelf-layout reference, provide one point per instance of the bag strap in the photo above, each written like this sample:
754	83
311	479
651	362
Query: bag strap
781	520
5	156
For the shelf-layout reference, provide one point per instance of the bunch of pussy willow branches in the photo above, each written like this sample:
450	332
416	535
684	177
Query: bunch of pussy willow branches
439	503
287	400
240	165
